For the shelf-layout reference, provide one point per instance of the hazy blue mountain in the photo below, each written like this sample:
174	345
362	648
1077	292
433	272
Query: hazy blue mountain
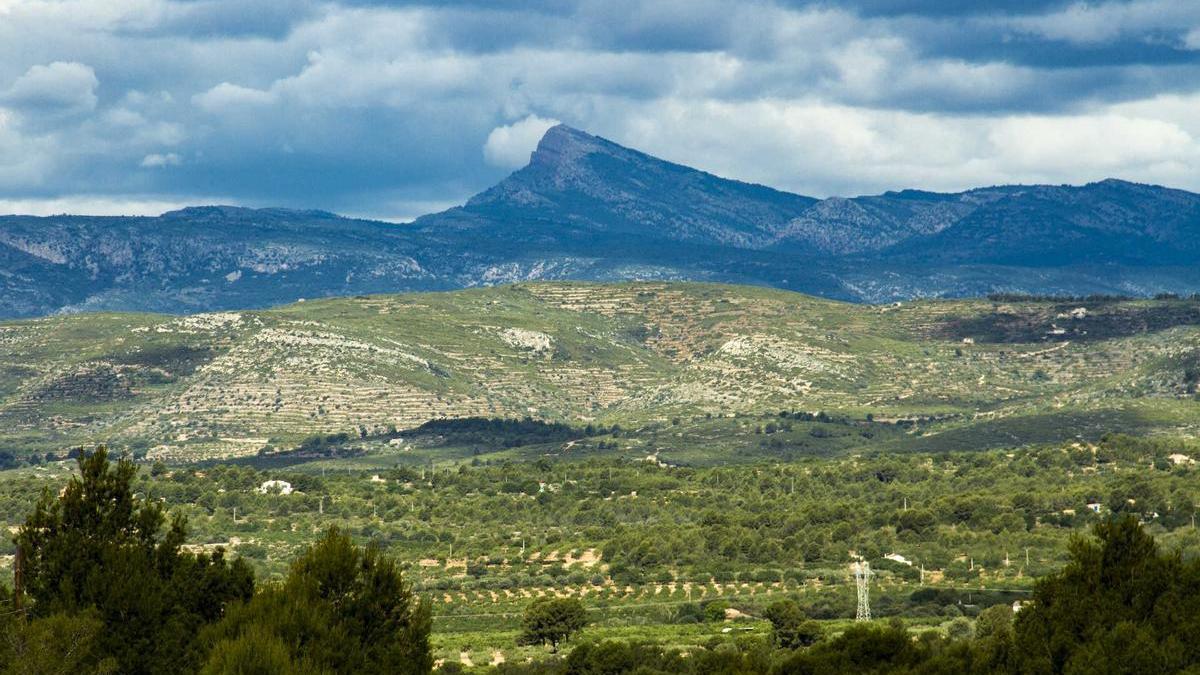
587	208
195	259
1112	222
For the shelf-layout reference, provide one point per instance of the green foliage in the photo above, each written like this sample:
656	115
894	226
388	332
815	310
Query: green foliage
257	651
689	612
550	621
793	522
861	649
342	608
960	629
1119	606
1120	367
1120	603
99	547
790	628
917	521
714	610
612	657
493	432
59	643
995	622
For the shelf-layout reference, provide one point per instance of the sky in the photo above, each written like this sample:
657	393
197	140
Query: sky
393	109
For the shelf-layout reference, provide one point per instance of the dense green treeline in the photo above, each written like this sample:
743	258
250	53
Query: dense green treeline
98	548
105	584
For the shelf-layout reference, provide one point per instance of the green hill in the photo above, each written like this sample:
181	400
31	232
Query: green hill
681	359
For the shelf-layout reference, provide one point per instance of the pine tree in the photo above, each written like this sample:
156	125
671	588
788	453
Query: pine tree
98	546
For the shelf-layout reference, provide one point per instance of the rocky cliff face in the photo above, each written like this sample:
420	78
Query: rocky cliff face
587	208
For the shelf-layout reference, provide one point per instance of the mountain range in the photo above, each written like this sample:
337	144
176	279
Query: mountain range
585	208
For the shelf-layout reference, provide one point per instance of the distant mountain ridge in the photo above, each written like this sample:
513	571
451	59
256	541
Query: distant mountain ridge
587	208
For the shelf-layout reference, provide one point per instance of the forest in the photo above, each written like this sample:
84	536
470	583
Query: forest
1041	559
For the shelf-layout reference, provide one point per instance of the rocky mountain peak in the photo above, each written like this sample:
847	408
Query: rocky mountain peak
563	145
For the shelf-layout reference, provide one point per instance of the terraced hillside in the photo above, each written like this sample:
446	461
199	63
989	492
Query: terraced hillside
226	384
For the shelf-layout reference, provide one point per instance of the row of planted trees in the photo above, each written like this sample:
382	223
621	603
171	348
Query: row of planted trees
1120	605
105	584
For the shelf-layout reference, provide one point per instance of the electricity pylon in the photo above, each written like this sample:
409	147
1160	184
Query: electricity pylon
862	579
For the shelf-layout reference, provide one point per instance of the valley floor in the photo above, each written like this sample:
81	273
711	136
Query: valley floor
683	555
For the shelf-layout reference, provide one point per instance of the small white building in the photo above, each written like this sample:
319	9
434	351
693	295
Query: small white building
896	557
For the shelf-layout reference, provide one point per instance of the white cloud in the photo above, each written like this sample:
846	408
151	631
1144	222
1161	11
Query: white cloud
822	149
226	95
61	86
1094	143
23	161
1192	39
510	146
158	161
1096	22
100	205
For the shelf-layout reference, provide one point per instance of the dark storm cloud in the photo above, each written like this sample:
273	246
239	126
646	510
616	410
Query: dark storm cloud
392	108
228	18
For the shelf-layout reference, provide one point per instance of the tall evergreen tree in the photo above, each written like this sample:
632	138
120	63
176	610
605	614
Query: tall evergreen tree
98	545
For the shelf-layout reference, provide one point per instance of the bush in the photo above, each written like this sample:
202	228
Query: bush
714	610
790	628
552	621
690	613
960	629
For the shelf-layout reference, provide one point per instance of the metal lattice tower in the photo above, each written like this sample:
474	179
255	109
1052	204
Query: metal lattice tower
862	578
